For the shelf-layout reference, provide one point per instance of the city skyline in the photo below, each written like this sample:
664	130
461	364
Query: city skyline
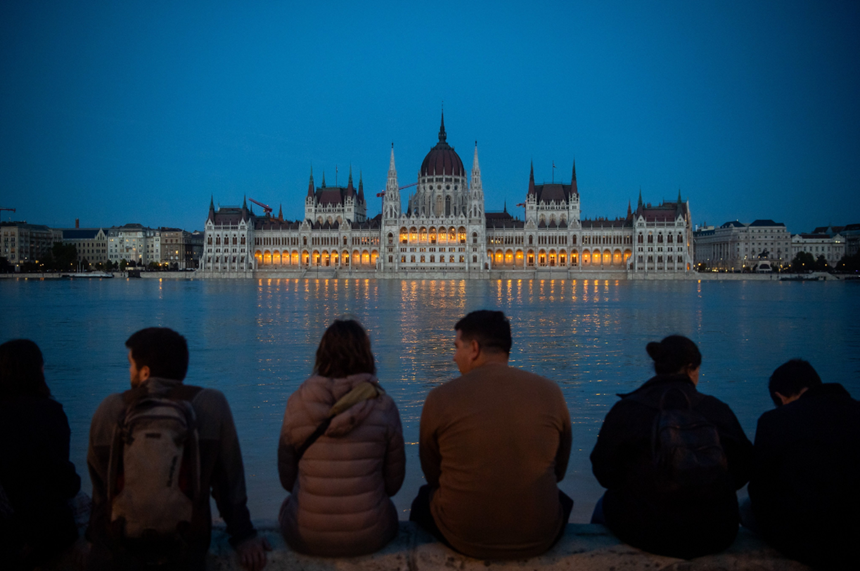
142	112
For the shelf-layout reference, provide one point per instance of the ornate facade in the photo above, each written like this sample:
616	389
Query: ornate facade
445	231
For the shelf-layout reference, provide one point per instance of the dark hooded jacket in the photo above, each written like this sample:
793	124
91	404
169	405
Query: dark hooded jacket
633	507
340	489
805	488
37	477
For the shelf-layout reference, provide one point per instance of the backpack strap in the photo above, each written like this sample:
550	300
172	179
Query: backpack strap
667	392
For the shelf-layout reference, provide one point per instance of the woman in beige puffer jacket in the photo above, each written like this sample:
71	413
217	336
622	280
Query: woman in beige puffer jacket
340	489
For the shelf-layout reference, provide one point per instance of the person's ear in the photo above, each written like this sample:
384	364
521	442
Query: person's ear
474	349
144	373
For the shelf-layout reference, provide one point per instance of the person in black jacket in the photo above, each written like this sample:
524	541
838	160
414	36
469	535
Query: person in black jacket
642	505
35	473
805	487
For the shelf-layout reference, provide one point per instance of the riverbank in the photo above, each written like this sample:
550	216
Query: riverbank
492	275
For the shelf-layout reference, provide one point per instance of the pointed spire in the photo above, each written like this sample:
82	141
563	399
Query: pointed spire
442	135
640	199
532	178
475	165
311	184
211	208
505	209
573	185
323	181
629	211
244	202
679	196
281	212
360	188
350	190
391	167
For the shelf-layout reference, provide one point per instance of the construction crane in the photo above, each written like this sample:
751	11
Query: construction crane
378	194
9	209
266	208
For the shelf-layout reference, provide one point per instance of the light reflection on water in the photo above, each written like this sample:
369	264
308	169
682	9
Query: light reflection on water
255	340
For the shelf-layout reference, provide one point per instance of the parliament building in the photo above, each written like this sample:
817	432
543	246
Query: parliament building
446	233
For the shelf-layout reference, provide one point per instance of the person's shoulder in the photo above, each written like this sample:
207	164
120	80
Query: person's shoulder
208	398
711	406
113	403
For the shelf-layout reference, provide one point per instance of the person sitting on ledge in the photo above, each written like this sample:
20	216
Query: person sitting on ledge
36	478
341	453
493	444
805	487
671	459
180	436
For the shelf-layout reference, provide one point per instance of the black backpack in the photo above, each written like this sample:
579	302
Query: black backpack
687	456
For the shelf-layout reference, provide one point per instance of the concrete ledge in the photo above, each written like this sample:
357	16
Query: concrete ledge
584	547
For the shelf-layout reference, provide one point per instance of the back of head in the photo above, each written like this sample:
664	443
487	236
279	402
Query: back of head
163	350
674	354
344	350
792	377
21	370
491	329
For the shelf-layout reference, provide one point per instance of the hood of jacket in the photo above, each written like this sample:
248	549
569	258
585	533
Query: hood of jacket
651	393
325	392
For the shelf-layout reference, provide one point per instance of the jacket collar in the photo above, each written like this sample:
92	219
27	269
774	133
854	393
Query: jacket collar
826	390
158	385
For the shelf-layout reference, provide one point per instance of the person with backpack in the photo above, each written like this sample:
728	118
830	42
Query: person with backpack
37	480
341	453
672	460
155	453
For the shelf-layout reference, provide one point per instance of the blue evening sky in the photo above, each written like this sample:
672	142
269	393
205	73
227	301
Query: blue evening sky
117	112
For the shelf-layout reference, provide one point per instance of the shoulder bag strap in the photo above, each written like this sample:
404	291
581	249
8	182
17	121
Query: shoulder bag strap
361	392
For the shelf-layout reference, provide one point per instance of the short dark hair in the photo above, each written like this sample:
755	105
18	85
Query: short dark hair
163	350
344	350
792	377
673	354
21	370
491	329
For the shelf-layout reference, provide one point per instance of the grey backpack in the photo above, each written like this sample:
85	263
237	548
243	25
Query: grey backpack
154	468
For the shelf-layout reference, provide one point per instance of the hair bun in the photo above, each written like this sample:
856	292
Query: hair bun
655	350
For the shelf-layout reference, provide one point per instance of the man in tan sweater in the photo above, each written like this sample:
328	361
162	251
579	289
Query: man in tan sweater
493	444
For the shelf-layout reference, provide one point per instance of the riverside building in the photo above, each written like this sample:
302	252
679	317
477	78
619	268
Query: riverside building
736	246
445	232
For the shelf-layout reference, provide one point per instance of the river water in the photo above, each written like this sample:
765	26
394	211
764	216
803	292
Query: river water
255	340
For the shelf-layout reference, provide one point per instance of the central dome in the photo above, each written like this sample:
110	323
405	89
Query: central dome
442	159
